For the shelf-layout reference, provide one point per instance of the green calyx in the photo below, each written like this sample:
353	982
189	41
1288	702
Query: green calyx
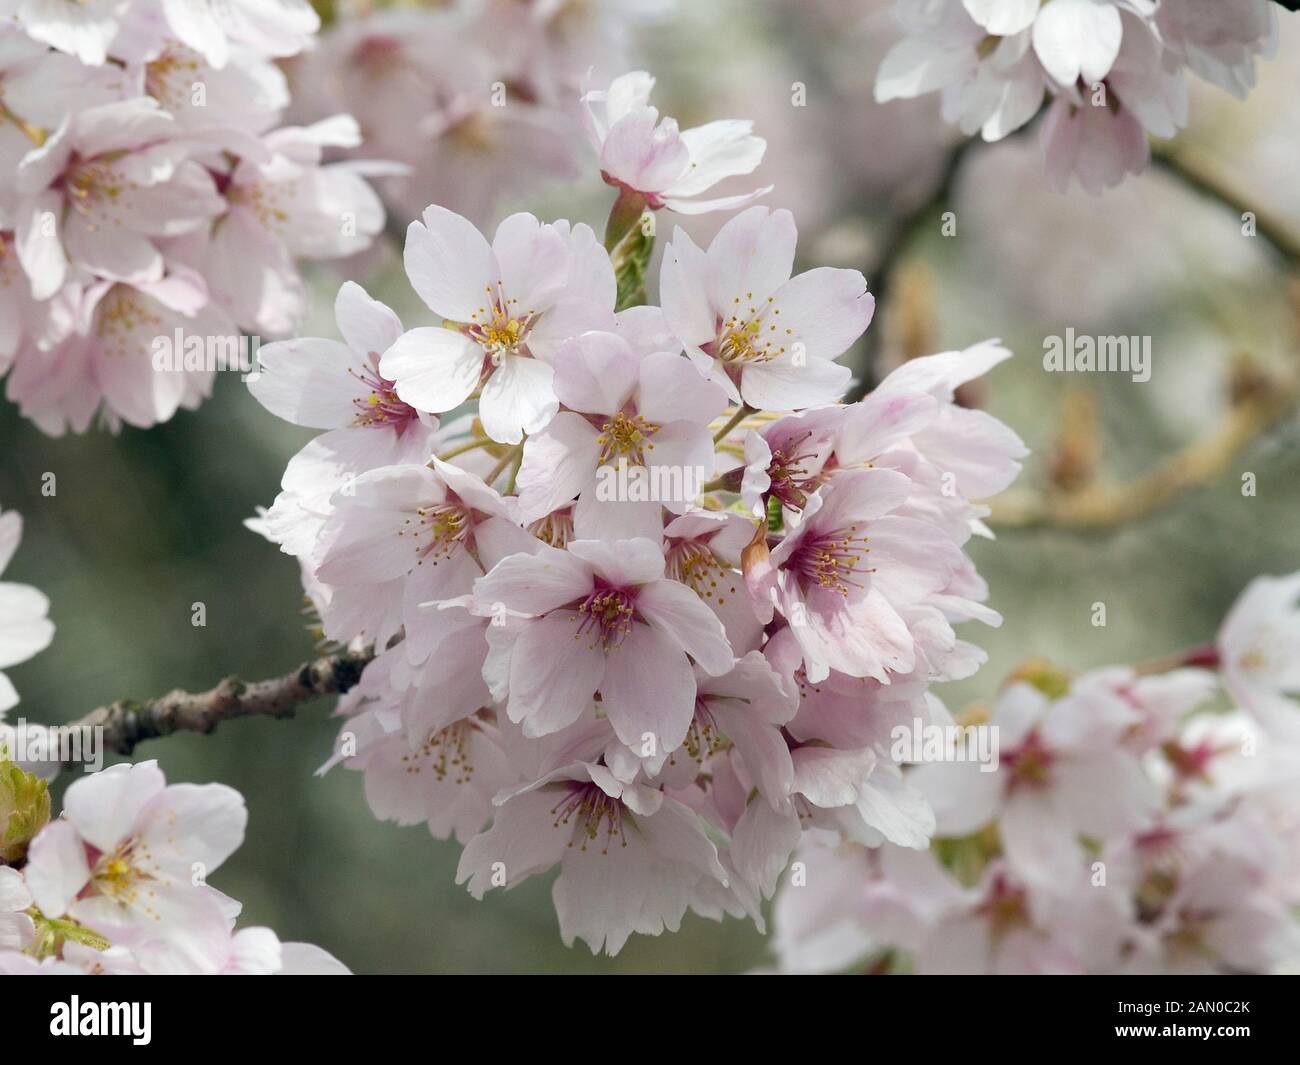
24	810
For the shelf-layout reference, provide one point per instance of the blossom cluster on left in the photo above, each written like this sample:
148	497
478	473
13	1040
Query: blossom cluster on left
148	192
118	883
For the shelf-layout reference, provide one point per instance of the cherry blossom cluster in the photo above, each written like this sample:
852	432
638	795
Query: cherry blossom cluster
1136	822
1113	70
152	206
117	884
476	98
645	611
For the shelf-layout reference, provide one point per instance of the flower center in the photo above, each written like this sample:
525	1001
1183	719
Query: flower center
378	53
696	566
120	315
590	811
1030	766
1005	907
473	132
503	334
94	184
382	407
832	560
555	529
607	614
118	874
264	200
437	530
704	738
789	478
625	436
499	327
170	78
446	753
747	336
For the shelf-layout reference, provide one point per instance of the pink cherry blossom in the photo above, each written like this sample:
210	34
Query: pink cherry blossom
97	193
117	885
630	856
644	412
122	859
403	535
144	157
1258	646
840	576
766	337
446	779
109	365
979	454
325	384
603	619
283	206
506	307
1061	772
651	158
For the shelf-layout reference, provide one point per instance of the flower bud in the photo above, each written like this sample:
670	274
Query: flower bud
24	810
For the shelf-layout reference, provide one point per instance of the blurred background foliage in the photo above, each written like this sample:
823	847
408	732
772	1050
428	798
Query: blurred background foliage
143	525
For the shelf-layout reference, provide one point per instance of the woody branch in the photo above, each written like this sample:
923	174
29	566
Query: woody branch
128	722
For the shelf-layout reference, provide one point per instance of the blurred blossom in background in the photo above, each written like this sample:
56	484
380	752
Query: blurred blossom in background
158	517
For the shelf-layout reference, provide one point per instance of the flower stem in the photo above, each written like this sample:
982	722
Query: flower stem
35	134
515	454
460	449
742	412
514	472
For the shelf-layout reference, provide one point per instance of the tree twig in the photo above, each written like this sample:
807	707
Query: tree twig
128	722
897	240
1195	170
1100	506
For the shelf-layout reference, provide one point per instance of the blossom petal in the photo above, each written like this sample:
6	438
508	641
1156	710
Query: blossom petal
369	326
518	398
1078	39
104	806
553	675
56	869
434	369
649	689
450	265
681	614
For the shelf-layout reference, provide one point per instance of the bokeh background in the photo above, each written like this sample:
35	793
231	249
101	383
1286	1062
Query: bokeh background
143	525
